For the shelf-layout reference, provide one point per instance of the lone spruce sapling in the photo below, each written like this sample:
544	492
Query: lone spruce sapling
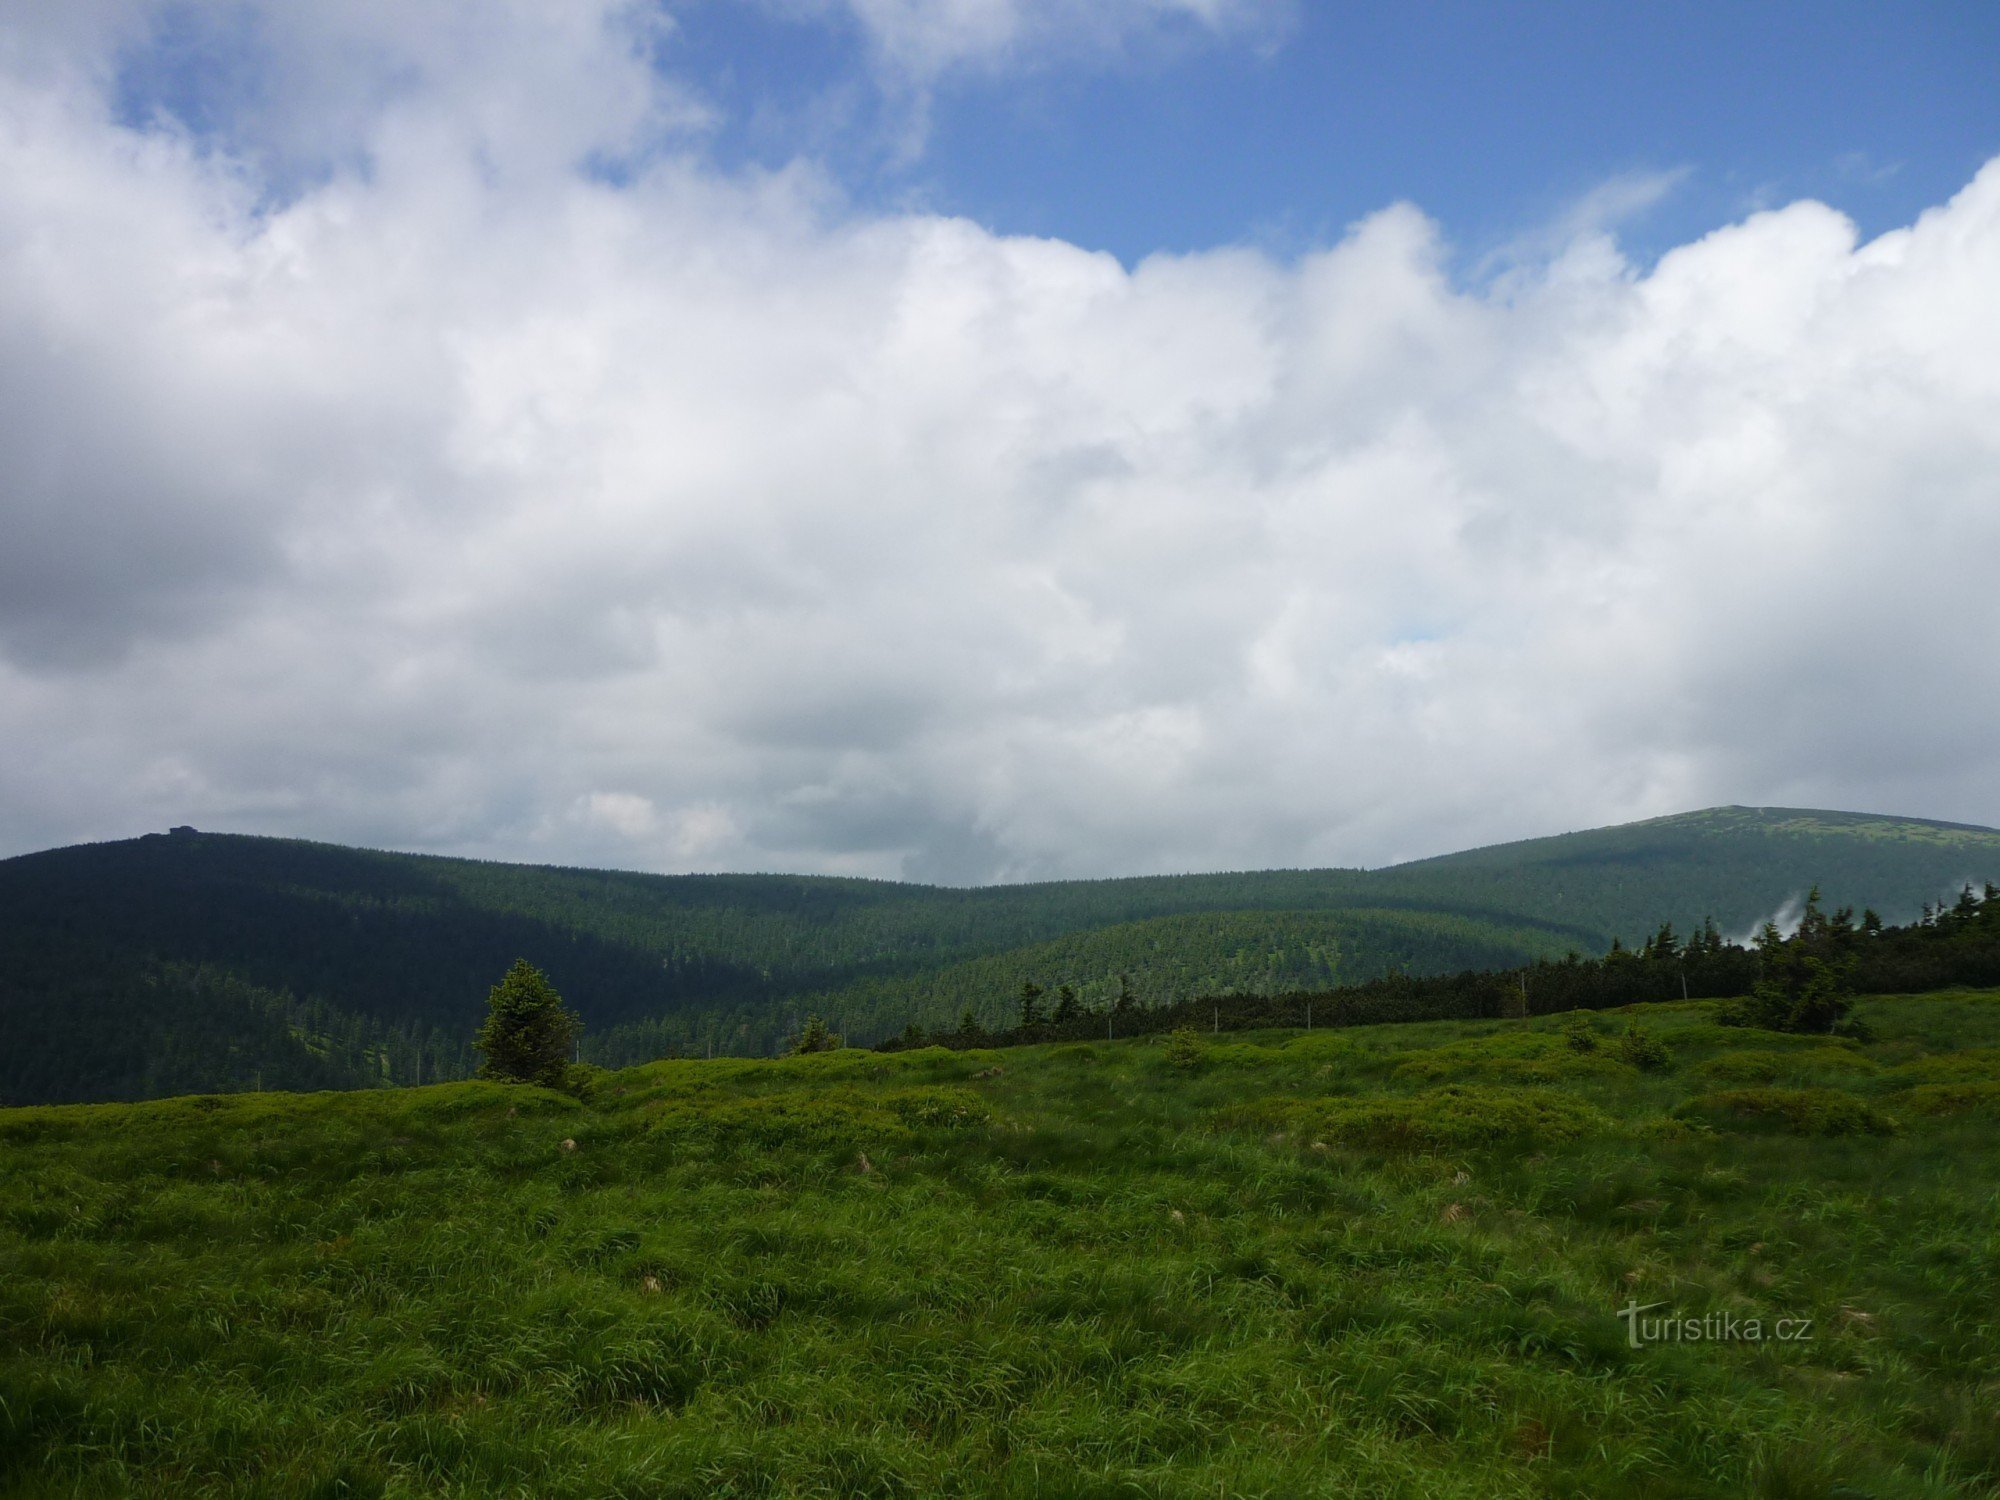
815	1036
528	1035
1579	1033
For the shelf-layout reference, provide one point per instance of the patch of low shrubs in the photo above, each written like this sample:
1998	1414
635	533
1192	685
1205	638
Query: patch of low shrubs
938	1108
1665	1128
1803	1111
821	1119
1768	1067
1458	1115
1970	1066
1977	1098
33	1125
1320	1046
788	1121
1705	1034
1245	1055
1741	1067
448	1101
1506	1057
1834	1060
581	1080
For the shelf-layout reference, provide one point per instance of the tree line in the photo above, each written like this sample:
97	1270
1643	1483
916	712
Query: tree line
1796	981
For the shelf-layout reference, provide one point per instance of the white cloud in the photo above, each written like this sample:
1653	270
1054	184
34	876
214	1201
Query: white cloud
625	813
920	41
915	48
461	499
297	91
1580	240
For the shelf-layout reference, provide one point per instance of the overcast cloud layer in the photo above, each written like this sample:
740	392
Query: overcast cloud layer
426	449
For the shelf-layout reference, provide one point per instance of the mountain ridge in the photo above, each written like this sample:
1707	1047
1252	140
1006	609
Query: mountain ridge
375	963
1721	817
1773	818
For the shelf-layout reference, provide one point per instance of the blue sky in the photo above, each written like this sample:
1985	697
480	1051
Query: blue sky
974	440
1494	118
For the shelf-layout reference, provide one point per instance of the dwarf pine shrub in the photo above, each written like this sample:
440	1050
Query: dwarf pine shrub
1184	1048
1644	1051
1579	1033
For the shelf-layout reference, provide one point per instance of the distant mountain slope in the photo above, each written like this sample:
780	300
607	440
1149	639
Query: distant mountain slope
1737	864
353	965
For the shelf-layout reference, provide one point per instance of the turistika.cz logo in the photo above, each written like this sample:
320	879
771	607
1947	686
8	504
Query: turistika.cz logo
1709	1328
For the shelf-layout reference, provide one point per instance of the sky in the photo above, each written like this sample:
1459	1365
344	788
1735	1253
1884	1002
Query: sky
977	440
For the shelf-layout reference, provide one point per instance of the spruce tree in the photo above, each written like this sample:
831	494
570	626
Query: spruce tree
528	1035
815	1036
1803	981
1067	1009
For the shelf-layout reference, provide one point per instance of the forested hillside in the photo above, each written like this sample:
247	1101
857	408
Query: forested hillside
198	961
1159	961
1736	864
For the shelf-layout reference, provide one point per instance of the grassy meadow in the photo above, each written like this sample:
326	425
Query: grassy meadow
1382	1261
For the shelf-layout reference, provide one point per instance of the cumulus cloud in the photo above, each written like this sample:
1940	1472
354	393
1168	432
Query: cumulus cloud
463	494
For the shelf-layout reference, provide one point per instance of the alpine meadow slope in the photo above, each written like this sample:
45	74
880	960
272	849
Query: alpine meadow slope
199	962
1452	1259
